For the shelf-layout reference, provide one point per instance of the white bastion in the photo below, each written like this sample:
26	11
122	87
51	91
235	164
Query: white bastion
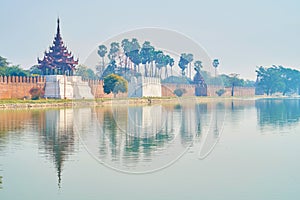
144	87
69	87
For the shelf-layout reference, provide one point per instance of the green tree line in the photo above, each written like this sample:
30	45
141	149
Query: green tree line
277	79
7	69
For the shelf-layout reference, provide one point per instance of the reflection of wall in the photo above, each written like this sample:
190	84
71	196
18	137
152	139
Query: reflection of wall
145	121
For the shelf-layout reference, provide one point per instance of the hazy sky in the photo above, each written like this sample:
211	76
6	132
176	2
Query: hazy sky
242	34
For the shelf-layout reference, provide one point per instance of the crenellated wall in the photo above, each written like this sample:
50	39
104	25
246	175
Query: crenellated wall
18	87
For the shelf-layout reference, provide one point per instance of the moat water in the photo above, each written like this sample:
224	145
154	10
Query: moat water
240	149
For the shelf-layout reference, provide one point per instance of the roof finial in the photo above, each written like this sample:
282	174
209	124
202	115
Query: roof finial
58	29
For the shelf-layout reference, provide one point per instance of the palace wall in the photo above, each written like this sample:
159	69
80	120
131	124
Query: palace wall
19	88
168	89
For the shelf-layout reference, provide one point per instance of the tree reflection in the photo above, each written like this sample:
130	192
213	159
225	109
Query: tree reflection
277	112
133	134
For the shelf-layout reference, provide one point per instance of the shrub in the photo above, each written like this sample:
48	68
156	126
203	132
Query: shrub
220	92
179	92
36	93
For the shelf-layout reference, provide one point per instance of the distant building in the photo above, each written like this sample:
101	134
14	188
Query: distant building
58	60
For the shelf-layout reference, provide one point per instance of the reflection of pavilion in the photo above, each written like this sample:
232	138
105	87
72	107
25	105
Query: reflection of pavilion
58	136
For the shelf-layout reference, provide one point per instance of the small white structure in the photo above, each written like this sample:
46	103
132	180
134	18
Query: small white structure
144	87
69	87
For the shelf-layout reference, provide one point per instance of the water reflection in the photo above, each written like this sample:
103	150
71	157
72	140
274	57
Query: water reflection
277	112
146	138
57	136
129	138
54	129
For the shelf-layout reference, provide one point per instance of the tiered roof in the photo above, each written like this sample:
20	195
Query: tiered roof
58	60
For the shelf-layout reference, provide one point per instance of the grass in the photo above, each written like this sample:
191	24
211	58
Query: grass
40	101
103	100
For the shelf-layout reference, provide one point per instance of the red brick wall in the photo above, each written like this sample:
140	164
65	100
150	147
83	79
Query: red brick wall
98	92
19	87
168	89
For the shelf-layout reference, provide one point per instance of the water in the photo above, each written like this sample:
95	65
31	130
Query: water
241	149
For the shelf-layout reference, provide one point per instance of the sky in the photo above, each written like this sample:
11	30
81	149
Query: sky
241	34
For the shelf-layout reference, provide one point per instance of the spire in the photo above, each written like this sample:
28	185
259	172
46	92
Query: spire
58	29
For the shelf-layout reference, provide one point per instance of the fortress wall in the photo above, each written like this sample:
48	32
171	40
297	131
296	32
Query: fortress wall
238	91
168	89
98	92
17	87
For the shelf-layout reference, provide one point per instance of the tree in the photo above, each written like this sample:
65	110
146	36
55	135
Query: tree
197	66
110	69
35	71
166	61
270	80
278	79
215	65
183	63
291	79
115	84
15	70
233	81
114	50
86	73
102	50
146	55
3	62
179	92
171	64
126	48
159	62
134	53
11	70
220	92
190	59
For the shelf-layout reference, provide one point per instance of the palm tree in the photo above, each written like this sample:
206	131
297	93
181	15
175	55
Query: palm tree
233	80
190	59
198	66
159	62
171	63
145	54
183	62
166	60
215	65
126	48
134	54
102	50
113	52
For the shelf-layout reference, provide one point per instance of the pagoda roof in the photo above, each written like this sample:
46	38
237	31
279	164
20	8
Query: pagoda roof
58	56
